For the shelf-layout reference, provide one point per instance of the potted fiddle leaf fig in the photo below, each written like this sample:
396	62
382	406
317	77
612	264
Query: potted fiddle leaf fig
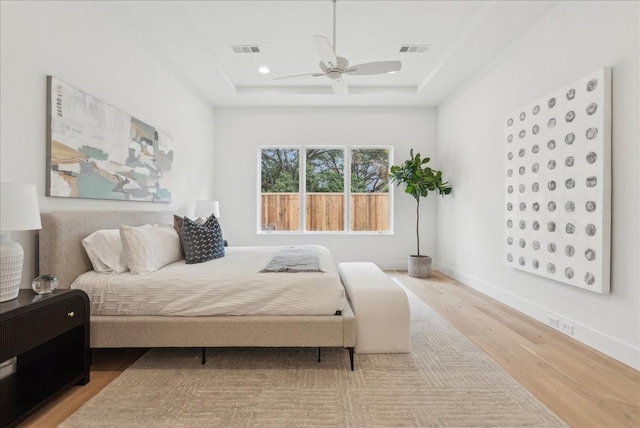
419	180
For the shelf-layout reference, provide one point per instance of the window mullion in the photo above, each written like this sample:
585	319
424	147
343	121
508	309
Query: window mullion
302	206
347	190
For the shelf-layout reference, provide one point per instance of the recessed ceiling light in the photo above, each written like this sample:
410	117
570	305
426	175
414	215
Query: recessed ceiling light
264	70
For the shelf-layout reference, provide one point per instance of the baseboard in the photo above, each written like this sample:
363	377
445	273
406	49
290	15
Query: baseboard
620	351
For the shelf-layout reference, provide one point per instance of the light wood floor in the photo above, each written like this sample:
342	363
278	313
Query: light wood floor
582	386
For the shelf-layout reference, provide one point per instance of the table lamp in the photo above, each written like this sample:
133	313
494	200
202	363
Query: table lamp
18	211
205	208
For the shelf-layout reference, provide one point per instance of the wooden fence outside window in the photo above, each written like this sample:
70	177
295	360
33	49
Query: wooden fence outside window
325	211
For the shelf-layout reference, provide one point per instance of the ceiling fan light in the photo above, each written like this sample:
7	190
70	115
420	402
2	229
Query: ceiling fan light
264	70
334	74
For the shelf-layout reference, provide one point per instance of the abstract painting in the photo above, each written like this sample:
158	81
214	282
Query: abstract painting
96	151
558	184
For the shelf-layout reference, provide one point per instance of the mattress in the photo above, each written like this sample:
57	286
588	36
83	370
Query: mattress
231	285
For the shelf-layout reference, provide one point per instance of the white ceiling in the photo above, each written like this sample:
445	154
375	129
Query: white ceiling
193	40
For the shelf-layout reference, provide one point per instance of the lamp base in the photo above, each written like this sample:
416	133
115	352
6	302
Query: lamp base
11	258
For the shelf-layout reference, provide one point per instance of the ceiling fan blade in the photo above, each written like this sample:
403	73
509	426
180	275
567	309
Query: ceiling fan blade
299	75
381	67
327	55
340	87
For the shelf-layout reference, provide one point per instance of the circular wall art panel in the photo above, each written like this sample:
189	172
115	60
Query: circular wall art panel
558	182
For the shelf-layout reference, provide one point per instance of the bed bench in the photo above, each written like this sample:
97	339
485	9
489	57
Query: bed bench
381	307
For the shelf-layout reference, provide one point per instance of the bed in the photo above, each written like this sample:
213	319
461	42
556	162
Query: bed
62	254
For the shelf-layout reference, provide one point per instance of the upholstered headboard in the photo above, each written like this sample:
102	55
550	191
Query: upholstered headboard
61	250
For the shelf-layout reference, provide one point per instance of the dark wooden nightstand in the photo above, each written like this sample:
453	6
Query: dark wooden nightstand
49	335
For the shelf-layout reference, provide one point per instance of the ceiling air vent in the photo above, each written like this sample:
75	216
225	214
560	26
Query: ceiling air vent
245	49
413	48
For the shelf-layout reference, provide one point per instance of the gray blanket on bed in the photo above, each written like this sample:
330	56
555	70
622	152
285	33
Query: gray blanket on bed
294	259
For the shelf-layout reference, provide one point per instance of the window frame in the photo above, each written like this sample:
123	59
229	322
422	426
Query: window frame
302	190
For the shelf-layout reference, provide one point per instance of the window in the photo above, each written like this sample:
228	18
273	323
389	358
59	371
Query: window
280	189
370	190
344	189
324	184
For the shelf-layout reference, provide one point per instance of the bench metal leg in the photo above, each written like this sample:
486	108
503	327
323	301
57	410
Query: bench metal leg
204	355
319	353
351	358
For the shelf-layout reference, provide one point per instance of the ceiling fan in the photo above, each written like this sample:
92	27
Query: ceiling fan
334	66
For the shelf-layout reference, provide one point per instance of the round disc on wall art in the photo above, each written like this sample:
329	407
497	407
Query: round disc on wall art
558	184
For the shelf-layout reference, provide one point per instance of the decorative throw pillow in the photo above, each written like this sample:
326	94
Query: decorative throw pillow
178	223
202	242
104	248
148	249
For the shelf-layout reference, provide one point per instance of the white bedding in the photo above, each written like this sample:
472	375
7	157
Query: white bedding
231	285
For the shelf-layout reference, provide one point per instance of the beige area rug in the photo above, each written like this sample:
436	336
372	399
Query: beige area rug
445	381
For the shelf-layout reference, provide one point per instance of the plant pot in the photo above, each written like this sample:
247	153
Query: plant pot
420	266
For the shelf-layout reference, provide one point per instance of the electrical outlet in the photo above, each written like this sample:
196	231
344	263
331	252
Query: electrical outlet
552	321
565	327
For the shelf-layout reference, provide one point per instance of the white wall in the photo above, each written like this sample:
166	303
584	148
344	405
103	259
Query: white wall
77	43
574	39
239	132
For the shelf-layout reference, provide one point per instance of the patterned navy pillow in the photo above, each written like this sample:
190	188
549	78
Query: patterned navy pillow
202	242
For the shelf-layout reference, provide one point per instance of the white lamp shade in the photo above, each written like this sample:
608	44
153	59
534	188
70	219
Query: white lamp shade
206	208
19	207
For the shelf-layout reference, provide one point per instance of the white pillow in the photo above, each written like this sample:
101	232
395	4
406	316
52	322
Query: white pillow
147	249
104	248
